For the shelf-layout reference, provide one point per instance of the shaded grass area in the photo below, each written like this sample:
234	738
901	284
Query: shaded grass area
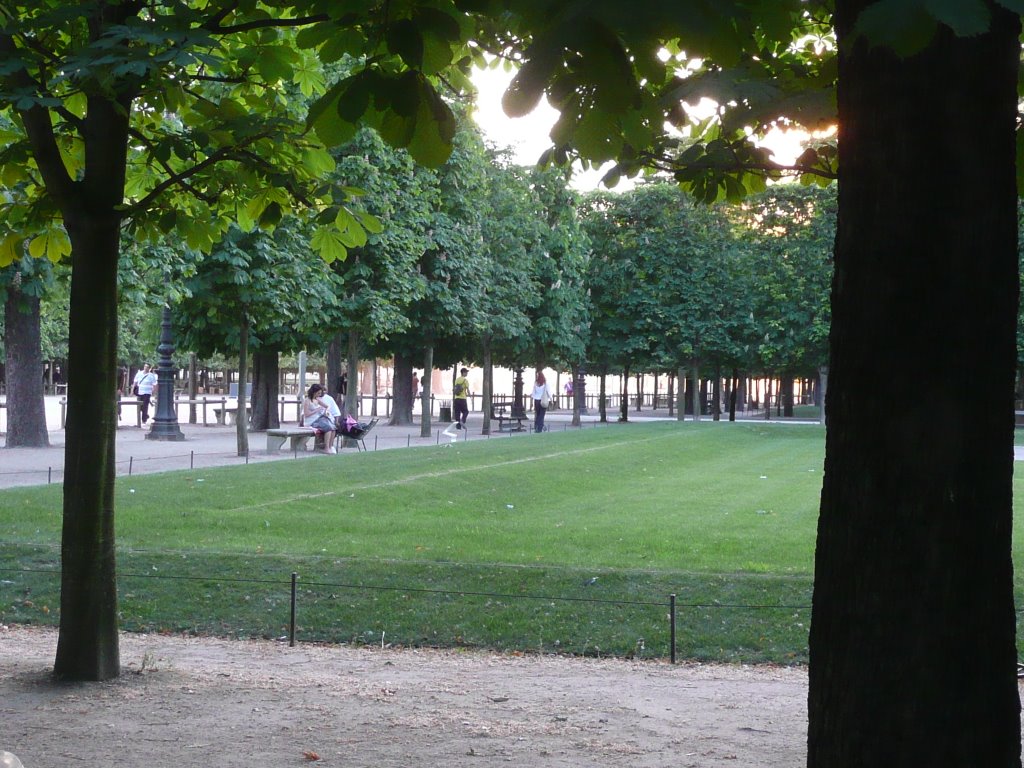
534	608
568	542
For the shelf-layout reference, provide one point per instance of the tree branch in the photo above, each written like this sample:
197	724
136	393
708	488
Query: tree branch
292	190
669	165
144	140
39	130
215	28
178	179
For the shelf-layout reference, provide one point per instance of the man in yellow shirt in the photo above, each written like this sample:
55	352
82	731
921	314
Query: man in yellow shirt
460	399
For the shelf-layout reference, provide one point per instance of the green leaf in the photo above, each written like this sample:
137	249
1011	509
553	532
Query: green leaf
326	103
902	25
327	242
271	215
333	131
53	244
355	97
965	17
405	94
310	80
434	129
525	91
9	248
1017	6
437	54
395	129
404	39
370	222
319	162
597	137
312	36
341	43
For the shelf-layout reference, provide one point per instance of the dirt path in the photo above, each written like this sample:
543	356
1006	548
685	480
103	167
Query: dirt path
199	701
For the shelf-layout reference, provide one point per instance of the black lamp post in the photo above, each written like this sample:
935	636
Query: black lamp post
165	425
518	406
579	388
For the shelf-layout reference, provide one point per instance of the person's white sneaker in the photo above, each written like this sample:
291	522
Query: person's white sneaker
332	449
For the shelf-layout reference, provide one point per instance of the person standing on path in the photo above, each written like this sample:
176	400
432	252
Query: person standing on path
541	400
460	399
143	385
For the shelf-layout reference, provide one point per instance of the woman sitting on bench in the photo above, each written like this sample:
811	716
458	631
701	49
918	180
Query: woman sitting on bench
317	414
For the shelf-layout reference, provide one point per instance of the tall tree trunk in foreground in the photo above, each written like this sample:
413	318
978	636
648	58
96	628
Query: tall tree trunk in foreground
26	406
912	651
87	647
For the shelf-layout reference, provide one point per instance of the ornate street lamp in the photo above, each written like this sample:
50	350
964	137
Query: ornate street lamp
518	405
165	425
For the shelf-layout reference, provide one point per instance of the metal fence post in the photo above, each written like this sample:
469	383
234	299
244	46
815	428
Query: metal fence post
291	621
672	626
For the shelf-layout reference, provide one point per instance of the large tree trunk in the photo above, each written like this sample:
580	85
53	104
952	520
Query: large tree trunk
354	394
334	366
265	377
428	371
786	387
193	387
87	646
401	389
242	423
698	401
26	407
912	648
624	396
576	395
487	396
682	394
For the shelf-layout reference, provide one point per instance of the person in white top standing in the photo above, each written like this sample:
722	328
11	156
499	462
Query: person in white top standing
541	400
143	385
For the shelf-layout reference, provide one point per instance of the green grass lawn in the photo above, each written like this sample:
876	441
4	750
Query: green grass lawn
565	542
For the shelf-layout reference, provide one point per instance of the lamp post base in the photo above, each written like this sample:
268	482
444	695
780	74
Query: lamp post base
165	431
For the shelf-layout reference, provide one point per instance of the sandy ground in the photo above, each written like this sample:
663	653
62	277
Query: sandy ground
200	701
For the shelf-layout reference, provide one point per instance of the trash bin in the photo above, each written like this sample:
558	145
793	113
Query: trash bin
445	412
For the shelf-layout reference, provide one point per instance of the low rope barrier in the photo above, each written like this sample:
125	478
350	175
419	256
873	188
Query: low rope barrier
671	603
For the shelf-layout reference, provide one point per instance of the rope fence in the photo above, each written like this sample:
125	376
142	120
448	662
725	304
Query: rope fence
670	603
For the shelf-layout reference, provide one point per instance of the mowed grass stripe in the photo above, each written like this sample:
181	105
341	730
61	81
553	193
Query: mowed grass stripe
706	497
451	472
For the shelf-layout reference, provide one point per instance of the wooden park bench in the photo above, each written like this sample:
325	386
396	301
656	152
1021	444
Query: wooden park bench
509	417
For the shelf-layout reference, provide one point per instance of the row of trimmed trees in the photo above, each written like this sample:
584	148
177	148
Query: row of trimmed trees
486	262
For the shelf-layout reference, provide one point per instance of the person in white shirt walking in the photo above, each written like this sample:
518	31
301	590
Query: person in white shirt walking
541	401
143	385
